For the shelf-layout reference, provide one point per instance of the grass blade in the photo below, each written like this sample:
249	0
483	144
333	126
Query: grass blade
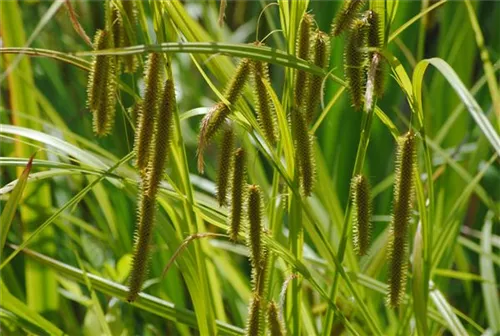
490	290
9	210
19	308
474	109
146	302
446	311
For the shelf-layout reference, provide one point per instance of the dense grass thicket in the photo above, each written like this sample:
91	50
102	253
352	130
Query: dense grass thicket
249	167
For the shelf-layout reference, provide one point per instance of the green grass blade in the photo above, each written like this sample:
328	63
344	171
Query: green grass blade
490	290
446	311
472	106
485	58
146	302
408	23
18	308
418	283
10	208
68	204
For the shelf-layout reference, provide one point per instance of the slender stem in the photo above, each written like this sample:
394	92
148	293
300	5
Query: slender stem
206	322
358	166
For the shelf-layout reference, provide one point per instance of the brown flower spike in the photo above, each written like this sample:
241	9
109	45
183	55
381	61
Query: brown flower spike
238	194
355	58
361	230
266	115
303	50
346	16
275	326
149	109
320	57
102	85
402	204
214	120
225	164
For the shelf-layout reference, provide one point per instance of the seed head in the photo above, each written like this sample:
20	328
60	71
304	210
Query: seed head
361	214
146	212
254	322
320	57
266	114
210	125
237	83
161	137
129	38
238	194
304	152
402	204
346	16
254	239
375	40
98	71
225	164
276	327
149	111
102	85
355	58
303	50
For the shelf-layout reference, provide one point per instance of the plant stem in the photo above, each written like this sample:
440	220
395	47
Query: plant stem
358	166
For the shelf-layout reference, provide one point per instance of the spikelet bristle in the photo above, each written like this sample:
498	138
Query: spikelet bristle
266	114
398	268
134	111
303	50
225	164
254	325
304	152
140	261
116	26
273	320
361	214
346	16
161	137
320	57
130	8
97	71
375	40
210	125
235	87
149	109
402	204
102	85
254	239
238	194
355	58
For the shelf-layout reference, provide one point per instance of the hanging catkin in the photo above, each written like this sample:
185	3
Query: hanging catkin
214	120
146	212
161	137
238	194
149	109
225	164
266	116
346	16
303	49
102	84
254	323
355	58
375	40
361	200
273	321
303	152
129	35
320	57
402	204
